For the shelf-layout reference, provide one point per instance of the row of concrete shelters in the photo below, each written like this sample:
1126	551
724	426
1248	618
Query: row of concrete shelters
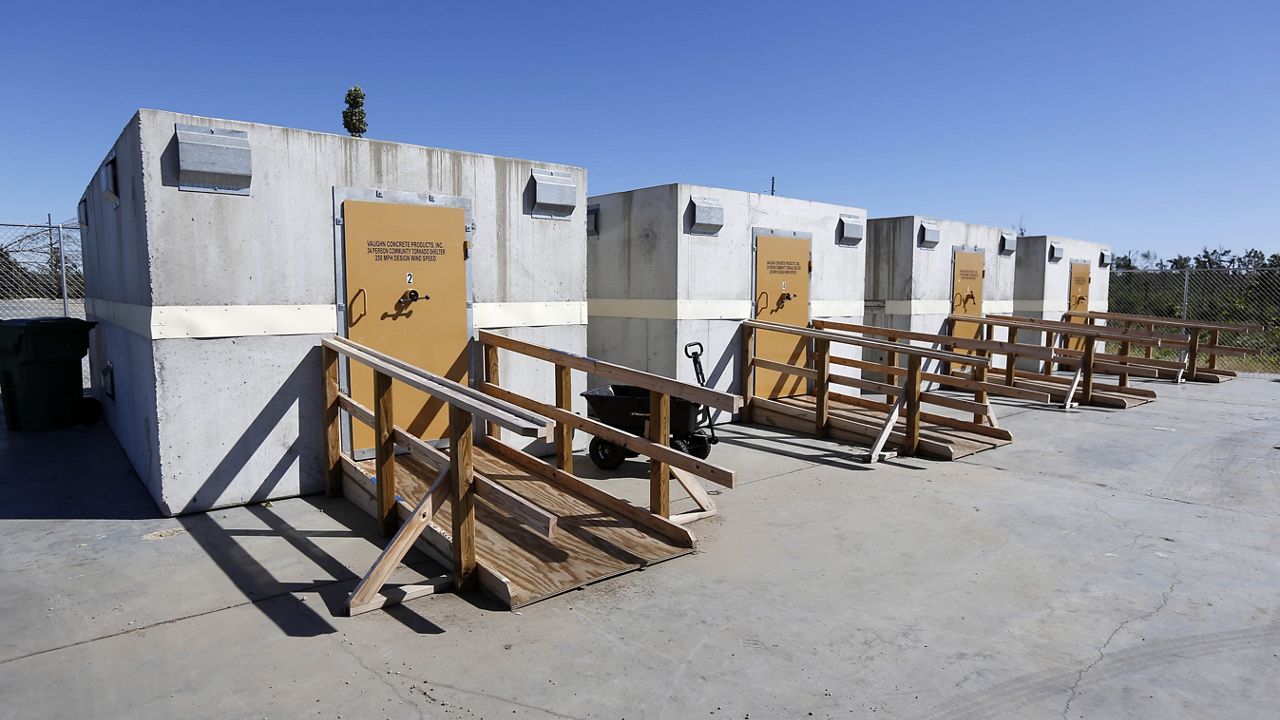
924	269
218	253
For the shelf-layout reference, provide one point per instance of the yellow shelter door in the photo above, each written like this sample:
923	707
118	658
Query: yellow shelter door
405	278
967	278
1078	295
782	274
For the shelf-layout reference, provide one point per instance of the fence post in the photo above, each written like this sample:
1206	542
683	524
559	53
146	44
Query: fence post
62	270
1186	290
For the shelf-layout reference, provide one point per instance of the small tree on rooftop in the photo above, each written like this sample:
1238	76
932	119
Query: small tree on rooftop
353	118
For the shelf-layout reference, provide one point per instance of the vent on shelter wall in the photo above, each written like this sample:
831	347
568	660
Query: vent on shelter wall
708	215
1104	258
555	195
1056	252
930	235
593	221
1008	243
110	188
850	231
213	160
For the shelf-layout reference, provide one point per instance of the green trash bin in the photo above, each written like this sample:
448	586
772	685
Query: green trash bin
40	378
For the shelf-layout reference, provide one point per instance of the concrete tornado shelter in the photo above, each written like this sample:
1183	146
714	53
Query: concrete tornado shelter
922	270
1057	274
214	264
674	264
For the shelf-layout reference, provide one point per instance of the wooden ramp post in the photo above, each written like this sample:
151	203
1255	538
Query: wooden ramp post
659	471
462	495
386	454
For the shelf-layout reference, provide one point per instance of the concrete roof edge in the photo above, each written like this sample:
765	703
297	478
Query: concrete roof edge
348	138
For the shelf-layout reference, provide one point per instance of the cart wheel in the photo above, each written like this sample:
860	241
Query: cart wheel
697	445
605	455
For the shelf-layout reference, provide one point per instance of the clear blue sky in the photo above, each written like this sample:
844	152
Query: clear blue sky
1141	124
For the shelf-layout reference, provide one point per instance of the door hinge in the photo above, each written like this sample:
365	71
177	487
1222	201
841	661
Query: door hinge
337	221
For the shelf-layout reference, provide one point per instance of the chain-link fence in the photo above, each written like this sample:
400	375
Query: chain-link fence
41	271
1236	295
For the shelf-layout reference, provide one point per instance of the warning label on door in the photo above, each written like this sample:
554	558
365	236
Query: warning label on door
964	274
406	250
782	267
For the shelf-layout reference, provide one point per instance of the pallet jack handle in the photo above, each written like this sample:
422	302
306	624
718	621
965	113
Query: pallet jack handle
693	351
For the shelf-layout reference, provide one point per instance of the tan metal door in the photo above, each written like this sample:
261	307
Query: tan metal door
406	295
1078	297
967	278
782	275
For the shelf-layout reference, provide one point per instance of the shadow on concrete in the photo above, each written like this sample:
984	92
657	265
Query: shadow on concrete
81	473
78	473
290	613
294	395
288	608
806	449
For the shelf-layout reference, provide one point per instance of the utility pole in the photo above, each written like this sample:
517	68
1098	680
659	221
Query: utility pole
773	182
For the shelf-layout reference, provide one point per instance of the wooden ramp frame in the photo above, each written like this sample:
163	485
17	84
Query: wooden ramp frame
1084	365
1184	336
899	421
522	529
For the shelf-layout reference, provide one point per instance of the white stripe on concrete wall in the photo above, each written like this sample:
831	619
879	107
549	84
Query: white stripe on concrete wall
212	321
669	309
997	307
528	314
836	308
918	307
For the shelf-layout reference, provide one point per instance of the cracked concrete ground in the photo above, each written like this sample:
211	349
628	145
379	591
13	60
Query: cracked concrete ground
1108	564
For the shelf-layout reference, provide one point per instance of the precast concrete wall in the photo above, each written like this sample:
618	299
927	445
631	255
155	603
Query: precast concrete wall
1042	285
909	284
211	306
657	282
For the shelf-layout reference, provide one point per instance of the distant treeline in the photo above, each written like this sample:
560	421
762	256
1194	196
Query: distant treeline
1206	260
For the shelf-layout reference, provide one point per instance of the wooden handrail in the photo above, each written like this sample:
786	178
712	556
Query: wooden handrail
1037	352
848	339
455	394
1167	321
1060	327
618	373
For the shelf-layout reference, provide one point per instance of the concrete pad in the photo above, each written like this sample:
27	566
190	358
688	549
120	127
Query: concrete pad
1107	564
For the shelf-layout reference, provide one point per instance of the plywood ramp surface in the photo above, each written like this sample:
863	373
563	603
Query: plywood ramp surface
856	424
590	543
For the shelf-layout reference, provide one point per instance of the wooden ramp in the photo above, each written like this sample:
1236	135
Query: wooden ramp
516	564
851	423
